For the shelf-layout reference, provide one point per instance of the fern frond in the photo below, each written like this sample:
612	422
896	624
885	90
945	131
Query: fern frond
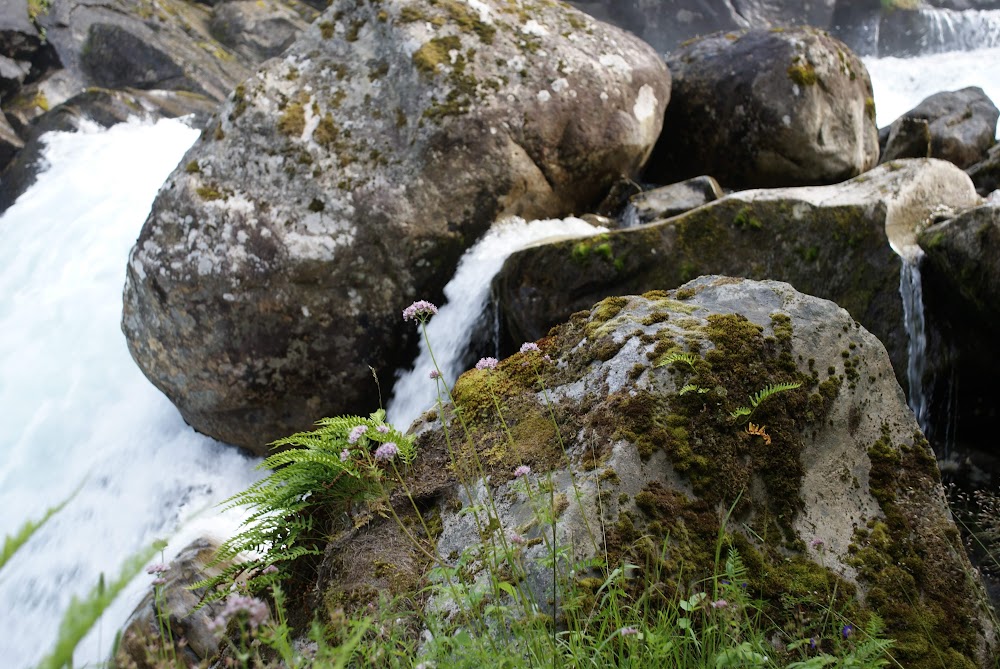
741	411
665	360
770	391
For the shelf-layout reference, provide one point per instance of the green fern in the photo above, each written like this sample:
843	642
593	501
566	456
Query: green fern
757	398
691	388
688	358
309	477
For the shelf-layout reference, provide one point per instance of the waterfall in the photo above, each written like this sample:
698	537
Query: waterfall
452	330
900	84
77	412
951	30
911	292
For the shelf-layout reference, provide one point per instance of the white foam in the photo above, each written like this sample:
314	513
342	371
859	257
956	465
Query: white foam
76	411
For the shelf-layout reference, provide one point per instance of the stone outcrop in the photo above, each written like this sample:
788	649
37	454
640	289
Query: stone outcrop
905	138
163	59
178	609
961	275
764	108
835	503
344	181
986	173
965	252
962	124
832	242
674	199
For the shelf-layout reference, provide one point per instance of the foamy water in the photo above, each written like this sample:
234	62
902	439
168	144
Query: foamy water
900	84
76	411
467	295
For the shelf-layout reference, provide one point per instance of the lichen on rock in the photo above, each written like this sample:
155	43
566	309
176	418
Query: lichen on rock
345	179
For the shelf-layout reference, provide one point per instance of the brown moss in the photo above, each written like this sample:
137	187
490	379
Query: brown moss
293	120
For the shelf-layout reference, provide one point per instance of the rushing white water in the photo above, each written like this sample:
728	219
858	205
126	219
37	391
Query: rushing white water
76	411
912	294
951	30
900	84
467	295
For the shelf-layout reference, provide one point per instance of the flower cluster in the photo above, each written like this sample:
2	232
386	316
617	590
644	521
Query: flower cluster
386	451
529	346
356	433
521	471
487	363
420	310
434	374
237	605
158	570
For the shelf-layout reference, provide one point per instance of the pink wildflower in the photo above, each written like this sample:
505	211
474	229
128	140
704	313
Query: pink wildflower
269	569
523	470
517	539
487	363
237	605
386	451
345	455
529	346
157	569
628	631
720	604
816	543
434	374
356	433
420	310
384	429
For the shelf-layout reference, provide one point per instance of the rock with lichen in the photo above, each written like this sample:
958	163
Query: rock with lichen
62	60
346	178
834	242
177	609
660	430
962	124
767	108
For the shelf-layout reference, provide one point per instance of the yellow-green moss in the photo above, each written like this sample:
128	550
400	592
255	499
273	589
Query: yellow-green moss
802	73
293	120
435	52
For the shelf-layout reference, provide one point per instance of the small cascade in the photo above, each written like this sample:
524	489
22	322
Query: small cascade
453	329
950	30
911	292
629	218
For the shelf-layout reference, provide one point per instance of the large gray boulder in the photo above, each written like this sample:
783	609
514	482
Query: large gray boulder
766	108
836	501
834	242
344	181
962	124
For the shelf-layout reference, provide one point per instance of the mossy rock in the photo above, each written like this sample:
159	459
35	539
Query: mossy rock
834	242
825	487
